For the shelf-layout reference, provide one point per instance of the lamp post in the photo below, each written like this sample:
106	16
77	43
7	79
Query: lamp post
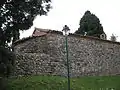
66	32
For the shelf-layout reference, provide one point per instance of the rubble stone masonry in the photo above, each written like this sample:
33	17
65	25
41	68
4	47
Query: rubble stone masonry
47	55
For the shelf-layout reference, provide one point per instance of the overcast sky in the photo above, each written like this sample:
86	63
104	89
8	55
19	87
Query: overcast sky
70	12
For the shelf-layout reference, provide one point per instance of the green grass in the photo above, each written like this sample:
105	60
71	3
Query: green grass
60	83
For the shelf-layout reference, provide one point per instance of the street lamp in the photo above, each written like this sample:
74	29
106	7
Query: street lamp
66	32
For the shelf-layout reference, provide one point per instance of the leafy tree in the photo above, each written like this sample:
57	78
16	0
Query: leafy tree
90	25
16	15
6	61
2	2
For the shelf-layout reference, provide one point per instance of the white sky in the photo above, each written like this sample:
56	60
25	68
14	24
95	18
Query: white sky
70	12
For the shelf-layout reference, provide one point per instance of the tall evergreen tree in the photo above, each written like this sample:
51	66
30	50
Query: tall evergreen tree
90	25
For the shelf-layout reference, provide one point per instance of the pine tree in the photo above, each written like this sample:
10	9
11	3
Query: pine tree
90	25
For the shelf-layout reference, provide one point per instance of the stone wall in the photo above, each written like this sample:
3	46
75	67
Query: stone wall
47	55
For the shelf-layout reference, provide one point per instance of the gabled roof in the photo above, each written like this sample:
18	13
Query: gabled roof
40	32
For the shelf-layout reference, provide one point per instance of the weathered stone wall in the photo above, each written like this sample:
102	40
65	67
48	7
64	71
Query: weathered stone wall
47	55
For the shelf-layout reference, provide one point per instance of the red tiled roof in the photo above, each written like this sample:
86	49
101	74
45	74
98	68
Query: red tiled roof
40	32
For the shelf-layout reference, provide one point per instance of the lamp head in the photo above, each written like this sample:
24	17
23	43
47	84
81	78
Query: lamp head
66	30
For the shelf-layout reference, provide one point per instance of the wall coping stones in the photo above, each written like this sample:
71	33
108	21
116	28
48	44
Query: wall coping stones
60	33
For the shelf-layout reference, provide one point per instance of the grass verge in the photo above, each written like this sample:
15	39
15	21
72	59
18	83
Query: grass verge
60	83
